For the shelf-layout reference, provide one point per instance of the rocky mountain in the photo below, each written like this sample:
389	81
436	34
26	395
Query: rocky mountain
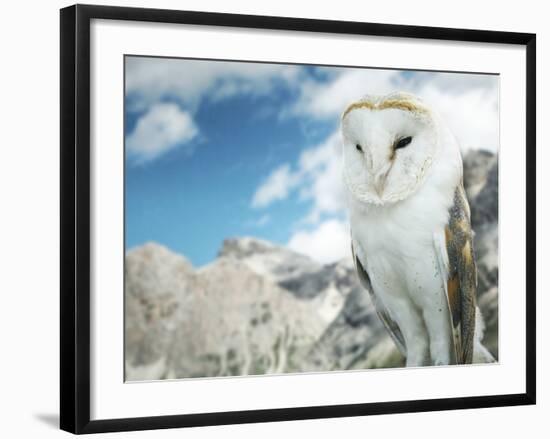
261	308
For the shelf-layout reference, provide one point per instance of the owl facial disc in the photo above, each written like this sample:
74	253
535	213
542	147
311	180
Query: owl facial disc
389	144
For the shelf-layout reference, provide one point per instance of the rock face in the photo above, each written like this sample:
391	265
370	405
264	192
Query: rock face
242	324
156	302
261	308
481	183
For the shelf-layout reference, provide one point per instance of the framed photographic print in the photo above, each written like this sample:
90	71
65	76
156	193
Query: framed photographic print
268	218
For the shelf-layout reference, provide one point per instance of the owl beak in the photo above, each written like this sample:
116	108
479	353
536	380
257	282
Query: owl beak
380	181
379	169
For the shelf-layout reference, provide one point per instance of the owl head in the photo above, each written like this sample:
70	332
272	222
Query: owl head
389	145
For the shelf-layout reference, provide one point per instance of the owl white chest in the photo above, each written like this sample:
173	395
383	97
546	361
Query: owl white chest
395	243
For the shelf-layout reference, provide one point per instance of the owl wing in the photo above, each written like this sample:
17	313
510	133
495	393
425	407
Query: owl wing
456	260
381	310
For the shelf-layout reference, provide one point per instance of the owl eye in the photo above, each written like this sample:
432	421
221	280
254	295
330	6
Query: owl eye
402	143
358	148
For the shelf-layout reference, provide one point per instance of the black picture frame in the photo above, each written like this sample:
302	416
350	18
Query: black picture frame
75	217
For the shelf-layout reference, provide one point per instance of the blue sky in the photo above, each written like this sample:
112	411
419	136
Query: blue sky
218	149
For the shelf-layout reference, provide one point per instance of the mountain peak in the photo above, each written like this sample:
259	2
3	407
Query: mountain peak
153	253
243	247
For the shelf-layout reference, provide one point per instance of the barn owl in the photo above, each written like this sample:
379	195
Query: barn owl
411	237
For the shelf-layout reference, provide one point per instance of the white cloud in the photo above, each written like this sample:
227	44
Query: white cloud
164	127
317	178
276	187
149	80
322	99
469	105
321	170
328	242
